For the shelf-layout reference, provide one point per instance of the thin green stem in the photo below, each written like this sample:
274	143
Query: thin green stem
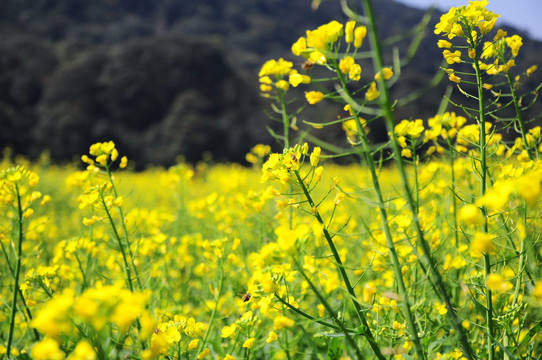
340	323
28	314
124	229
127	270
308	316
19	254
213	314
519	278
285	120
405	303
519	116
483	188
368	334
386	106
454	195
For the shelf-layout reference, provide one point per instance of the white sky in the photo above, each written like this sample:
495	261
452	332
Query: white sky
525	15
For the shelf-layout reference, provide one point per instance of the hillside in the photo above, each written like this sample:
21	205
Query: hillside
166	77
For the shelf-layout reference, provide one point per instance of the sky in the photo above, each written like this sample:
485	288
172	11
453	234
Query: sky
522	14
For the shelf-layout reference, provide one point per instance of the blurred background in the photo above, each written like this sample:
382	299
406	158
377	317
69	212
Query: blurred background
164	78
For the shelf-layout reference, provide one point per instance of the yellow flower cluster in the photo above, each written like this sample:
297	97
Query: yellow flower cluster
103	156
283	167
411	130
16	188
462	22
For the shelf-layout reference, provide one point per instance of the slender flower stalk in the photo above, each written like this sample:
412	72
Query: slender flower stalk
124	229
18	259
127	267
386	106
366	154
344	276
484	172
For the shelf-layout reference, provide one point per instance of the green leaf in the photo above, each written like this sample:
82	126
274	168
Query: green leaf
335	349
530	335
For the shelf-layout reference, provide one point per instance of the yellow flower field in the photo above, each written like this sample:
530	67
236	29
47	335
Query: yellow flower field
428	246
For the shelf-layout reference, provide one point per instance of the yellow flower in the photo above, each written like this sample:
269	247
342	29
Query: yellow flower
193	344
296	79
372	93
514	43
47	349
204	353
283	85
318	173
481	244
83	351
441	308
271	337
531	70
314	97
299	46
281	322
452	57
529	188
406	153
317	57
471	215
488	50
359	34
537	292
324	35
276	68
315	156
349	31
228	331
454	78
443	44
388	73
355	72
53	319
495	282
487	26
123	162
345	64
249	343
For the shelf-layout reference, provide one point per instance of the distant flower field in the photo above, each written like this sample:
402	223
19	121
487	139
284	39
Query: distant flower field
428	246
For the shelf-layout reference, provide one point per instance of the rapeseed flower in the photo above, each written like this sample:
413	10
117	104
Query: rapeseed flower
314	97
47	349
372	93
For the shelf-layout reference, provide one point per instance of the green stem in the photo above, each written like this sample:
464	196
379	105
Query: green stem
386	106
125	230
519	116
19	255
519	279
28	314
368	334
308	316
127	269
213	314
285	120
340	323
454	196
405	303
483	188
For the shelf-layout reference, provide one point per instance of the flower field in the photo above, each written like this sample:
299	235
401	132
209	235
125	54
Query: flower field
427	247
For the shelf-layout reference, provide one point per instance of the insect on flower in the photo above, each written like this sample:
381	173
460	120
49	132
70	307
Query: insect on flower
307	65
246	297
